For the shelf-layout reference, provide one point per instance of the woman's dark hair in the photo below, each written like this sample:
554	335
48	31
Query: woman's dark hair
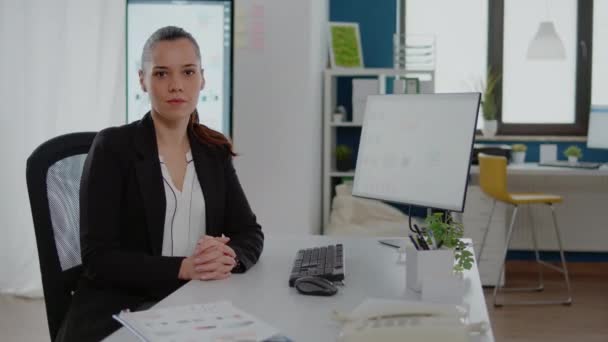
203	133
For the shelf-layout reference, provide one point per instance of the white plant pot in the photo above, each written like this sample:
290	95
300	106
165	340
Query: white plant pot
338	117
425	267
489	128
572	160
519	157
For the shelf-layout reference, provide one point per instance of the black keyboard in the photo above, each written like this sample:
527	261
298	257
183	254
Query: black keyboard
577	165
325	262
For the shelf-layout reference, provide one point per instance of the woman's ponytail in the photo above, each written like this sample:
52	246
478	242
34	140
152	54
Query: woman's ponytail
208	136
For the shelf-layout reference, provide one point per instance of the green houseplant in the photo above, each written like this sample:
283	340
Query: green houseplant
447	233
344	158
519	148
573	152
519	153
489	106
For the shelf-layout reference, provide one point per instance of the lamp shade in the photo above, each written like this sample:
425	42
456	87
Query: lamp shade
546	44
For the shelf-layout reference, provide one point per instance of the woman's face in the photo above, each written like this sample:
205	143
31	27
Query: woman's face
173	79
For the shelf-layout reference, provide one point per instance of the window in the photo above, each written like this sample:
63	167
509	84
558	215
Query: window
541	96
599	87
210	23
538	91
461	39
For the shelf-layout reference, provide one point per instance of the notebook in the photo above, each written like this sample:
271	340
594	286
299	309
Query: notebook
219	321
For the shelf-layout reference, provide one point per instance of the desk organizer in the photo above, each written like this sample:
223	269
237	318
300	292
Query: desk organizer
427	266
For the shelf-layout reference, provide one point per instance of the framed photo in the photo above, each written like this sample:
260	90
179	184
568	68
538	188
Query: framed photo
412	86
345	45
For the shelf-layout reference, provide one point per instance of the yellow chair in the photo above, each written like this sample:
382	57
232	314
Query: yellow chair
493	182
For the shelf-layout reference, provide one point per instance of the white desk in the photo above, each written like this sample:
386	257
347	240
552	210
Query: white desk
535	169
371	271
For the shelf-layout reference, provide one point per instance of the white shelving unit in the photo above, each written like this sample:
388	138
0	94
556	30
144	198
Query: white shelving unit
330	174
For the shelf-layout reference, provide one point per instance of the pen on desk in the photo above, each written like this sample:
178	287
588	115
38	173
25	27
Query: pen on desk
419	237
418	231
423	243
414	242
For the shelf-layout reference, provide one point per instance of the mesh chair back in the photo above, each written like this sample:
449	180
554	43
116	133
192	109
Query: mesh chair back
53	176
63	186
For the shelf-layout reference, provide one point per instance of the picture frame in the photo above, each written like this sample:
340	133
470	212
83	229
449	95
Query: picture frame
345	45
412	85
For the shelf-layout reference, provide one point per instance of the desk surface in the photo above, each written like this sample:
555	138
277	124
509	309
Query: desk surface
535	169
371	271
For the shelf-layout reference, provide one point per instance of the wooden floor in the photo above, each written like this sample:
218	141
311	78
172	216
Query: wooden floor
586	320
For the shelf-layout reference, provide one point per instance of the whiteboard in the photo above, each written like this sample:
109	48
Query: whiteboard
416	149
209	22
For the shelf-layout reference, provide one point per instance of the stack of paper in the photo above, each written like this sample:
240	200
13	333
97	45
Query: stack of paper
219	321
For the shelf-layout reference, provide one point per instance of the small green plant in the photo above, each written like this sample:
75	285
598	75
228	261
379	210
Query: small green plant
519	148
488	102
343	152
448	233
573	151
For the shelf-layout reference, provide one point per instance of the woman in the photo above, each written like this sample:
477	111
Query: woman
160	200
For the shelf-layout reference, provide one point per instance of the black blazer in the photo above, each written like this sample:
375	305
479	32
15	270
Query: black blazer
122	209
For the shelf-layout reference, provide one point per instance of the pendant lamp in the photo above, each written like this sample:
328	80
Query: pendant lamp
546	44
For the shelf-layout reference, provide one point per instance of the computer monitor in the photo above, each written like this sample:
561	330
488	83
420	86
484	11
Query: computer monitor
210	23
416	149
597	136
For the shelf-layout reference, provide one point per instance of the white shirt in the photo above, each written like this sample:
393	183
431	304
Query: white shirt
185	213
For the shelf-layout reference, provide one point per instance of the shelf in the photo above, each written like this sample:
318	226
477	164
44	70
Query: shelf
331	129
531	138
342	174
345	124
373	72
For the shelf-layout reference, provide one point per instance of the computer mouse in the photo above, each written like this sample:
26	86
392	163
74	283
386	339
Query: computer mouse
315	286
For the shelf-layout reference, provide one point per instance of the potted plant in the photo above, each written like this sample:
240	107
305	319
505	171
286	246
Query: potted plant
448	234
489	107
519	153
344	158
573	152
339	114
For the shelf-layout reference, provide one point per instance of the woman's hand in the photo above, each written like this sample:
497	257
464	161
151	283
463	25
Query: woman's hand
212	260
207	242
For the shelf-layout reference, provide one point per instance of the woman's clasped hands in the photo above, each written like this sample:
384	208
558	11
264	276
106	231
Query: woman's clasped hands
212	259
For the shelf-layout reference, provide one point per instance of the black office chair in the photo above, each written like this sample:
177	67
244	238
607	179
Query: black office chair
53	176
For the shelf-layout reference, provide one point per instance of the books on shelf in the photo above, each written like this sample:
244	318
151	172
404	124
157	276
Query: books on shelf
219	321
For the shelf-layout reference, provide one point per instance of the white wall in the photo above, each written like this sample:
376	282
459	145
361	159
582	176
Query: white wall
277	110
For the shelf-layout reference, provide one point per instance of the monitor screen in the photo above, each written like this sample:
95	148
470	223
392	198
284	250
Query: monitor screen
416	149
597	137
210	23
